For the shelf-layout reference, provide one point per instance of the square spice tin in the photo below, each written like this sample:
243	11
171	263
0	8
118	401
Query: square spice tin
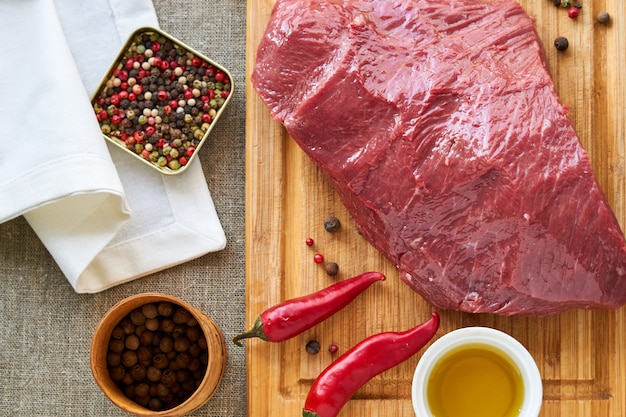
160	99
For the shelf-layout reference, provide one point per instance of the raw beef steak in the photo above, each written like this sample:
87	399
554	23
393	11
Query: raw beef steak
439	127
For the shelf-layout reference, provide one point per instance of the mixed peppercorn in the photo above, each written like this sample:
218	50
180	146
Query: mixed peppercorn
573	10
161	100
158	355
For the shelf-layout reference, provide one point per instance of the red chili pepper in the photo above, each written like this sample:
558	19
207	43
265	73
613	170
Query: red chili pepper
292	317
372	356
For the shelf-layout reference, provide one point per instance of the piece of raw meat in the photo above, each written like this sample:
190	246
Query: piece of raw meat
439	127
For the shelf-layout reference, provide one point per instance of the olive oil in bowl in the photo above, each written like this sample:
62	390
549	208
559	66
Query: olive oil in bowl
477	372
475	381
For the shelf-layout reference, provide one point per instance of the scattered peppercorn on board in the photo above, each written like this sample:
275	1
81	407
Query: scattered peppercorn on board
581	354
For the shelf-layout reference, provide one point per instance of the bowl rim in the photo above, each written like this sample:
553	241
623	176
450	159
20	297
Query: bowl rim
486	336
98	350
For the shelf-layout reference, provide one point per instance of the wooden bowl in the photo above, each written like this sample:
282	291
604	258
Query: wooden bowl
216	363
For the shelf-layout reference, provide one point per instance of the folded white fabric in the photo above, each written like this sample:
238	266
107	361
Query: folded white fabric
105	217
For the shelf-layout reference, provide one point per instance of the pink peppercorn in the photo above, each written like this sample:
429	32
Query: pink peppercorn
115	99
156	62
156	46
318	258
123	95
161	143
173	104
103	114
225	94
190	150
129	63
220	76
162	95
333	348
183	160
206	118
123	75
145	154
188	94
573	12
124	86
150	130
309	241
196	62
116	120
139	136
164	65
132	97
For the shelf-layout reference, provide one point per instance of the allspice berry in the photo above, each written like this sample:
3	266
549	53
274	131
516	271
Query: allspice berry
332	269
158	360
165	308
603	17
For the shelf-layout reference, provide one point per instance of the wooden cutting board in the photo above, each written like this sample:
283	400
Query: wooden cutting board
581	354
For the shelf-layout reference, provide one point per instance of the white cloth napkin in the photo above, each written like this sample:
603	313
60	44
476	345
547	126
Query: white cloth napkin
105	217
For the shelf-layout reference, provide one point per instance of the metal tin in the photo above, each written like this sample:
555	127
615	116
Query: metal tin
115	133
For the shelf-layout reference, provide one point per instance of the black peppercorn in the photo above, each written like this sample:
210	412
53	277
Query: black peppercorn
312	347
561	43
332	224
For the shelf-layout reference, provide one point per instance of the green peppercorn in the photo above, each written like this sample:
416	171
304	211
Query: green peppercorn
162	161
174	164
199	134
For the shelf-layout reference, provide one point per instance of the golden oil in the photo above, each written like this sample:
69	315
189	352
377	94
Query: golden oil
475	381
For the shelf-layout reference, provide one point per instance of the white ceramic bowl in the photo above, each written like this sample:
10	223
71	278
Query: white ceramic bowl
507	345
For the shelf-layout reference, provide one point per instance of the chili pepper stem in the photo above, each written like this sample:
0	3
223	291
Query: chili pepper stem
307	413
255	331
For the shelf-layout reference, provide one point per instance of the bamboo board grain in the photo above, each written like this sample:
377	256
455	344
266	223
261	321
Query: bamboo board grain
581	354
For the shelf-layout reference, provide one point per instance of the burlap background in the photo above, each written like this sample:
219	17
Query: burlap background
46	328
